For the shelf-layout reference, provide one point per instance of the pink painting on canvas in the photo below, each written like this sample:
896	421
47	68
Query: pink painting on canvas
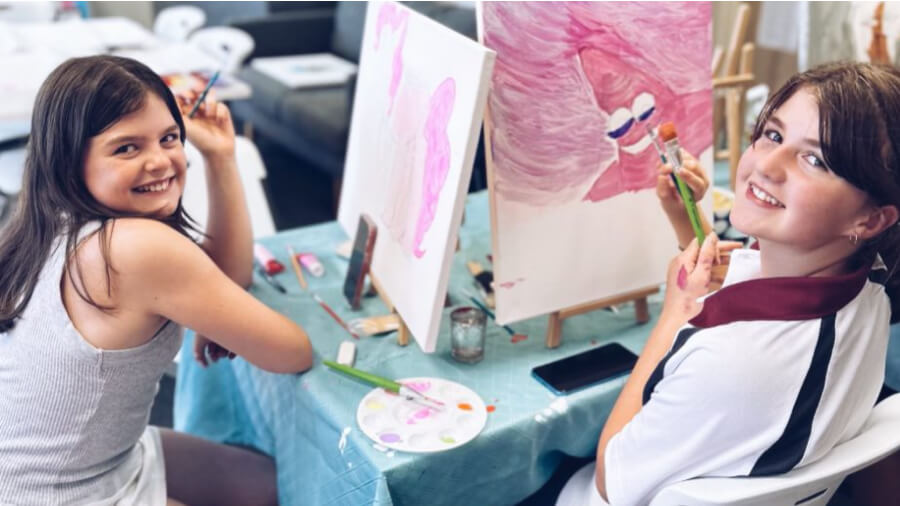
392	16
415	151
576	85
437	158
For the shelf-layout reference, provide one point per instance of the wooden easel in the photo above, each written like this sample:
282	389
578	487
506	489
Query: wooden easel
641	311
736	69
403	331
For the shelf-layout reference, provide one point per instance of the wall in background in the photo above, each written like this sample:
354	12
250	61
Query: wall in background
142	12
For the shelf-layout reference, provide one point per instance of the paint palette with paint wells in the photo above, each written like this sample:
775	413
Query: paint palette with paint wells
396	422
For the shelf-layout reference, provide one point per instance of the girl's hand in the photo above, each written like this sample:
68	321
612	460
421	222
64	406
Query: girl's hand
691	275
692	174
211	129
203	346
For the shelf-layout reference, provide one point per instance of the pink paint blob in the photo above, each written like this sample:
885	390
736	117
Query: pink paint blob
396	18
509	284
419	386
419	416
437	158
682	278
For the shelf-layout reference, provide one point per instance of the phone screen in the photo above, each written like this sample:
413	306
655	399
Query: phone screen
359	260
586	368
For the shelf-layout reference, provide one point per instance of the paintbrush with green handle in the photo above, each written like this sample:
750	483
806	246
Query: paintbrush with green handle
387	384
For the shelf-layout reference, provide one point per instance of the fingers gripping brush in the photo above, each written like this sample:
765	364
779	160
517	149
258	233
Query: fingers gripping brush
669	137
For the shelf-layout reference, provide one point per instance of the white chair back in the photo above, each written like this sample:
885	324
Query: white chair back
253	172
12	167
811	485
175	24
230	46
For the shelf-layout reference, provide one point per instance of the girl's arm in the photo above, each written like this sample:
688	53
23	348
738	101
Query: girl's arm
230	239
687	280
157	271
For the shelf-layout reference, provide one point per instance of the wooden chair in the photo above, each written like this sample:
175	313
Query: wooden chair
736	69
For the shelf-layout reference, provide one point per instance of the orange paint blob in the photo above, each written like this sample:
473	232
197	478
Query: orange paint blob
490	408
465	407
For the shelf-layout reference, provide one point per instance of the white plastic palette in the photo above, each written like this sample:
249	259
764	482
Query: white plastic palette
400	424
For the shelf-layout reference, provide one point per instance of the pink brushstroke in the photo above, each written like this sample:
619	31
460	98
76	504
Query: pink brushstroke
562	69
437	158
396	18
682	278
509	284
418	386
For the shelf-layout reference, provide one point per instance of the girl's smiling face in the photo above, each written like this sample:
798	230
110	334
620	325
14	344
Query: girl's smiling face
784	193
137	165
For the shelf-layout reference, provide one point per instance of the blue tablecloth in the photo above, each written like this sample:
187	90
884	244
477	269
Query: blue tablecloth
308	422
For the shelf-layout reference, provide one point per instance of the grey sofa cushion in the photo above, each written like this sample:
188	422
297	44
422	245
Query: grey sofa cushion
350	17
267	93
349	23
322	114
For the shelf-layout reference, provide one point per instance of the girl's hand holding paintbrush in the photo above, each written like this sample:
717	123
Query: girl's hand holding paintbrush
210	128
693	175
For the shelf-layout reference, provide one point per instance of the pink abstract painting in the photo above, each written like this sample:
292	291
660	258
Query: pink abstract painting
420	161
576	86
421	90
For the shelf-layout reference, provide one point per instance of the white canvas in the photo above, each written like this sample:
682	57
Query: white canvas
417	113
571	169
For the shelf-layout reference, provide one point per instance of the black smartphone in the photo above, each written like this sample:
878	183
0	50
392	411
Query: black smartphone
360	258
586	368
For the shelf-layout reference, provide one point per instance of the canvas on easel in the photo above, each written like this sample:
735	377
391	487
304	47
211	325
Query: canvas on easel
571	170
417	113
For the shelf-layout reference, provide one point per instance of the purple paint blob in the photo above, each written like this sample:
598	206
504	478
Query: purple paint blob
390	437
437	158
564	68
394	17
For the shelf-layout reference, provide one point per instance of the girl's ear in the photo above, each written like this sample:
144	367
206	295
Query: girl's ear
879	219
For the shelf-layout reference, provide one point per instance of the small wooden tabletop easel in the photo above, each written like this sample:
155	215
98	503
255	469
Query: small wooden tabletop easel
641	311
403	331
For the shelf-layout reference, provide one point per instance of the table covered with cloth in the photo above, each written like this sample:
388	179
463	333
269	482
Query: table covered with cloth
307	422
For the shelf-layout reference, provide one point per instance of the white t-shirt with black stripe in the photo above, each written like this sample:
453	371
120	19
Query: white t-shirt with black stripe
771	375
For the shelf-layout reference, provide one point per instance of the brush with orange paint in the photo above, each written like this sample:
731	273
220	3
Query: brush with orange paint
673	149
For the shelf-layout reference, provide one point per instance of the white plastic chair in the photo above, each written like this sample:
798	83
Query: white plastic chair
230	46
12	167
175	24
811	485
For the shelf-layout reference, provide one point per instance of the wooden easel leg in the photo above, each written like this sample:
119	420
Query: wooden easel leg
733	128
403	334
641	310
554	330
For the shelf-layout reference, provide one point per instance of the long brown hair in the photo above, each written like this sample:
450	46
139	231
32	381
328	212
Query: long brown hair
80	99
859	132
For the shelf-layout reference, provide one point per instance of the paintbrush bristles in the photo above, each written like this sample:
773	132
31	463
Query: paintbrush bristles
667	131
